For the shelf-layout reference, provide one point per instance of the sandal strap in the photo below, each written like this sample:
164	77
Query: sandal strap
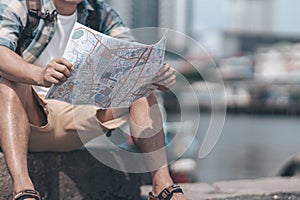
167	193
24	194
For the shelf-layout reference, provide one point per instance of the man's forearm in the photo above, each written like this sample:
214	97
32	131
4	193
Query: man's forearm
15	68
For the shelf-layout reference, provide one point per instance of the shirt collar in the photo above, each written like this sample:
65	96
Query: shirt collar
83	10
87	6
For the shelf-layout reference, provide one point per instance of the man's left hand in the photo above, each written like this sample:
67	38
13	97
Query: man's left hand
165	78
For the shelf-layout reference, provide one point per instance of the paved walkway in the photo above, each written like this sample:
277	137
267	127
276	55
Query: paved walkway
265	188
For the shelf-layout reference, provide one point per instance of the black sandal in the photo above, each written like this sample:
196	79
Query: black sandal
167	193
25	194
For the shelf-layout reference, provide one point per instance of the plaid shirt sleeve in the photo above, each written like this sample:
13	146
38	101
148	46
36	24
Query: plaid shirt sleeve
111	24
13	16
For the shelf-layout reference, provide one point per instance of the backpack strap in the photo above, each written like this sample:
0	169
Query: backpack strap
35	13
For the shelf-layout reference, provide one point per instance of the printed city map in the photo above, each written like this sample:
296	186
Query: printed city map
109	72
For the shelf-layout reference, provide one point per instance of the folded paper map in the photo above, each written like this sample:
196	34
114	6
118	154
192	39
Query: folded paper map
109	72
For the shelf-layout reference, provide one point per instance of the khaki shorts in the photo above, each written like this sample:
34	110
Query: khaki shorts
68	126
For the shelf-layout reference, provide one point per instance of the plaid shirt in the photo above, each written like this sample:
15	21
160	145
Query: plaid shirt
13	17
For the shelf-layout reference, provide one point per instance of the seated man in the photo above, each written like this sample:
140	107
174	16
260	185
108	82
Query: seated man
30	122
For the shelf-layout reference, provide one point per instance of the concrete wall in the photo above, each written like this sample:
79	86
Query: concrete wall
74	175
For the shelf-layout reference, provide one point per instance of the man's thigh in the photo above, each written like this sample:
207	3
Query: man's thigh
69	127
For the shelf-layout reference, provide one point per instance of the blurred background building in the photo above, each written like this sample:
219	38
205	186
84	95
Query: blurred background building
174	14
255	45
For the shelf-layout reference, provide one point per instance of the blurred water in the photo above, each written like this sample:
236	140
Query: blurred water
250	147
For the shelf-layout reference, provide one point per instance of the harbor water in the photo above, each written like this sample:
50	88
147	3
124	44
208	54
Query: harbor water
250	146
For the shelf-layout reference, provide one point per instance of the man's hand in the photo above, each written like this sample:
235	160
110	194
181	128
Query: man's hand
57	71
165	78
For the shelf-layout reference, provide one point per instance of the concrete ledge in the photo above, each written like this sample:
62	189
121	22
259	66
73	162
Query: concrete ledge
74	175
265	188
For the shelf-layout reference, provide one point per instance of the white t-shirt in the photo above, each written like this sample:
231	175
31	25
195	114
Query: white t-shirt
57	45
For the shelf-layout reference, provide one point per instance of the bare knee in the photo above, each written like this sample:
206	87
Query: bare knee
145	113
11	90
146	101
152	99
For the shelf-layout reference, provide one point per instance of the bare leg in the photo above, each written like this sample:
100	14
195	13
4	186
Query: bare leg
17	103
148	135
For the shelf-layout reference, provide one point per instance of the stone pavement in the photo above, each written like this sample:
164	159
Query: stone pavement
263	189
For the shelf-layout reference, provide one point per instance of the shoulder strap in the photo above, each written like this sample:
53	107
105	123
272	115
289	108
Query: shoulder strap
35	13
92	19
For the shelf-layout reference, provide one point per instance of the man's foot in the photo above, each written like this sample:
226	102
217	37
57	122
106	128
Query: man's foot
161	180
25	188
27	194
172	192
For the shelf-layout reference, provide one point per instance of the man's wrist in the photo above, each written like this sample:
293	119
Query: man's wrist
37	78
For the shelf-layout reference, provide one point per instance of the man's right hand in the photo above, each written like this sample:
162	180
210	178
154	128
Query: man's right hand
57	71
